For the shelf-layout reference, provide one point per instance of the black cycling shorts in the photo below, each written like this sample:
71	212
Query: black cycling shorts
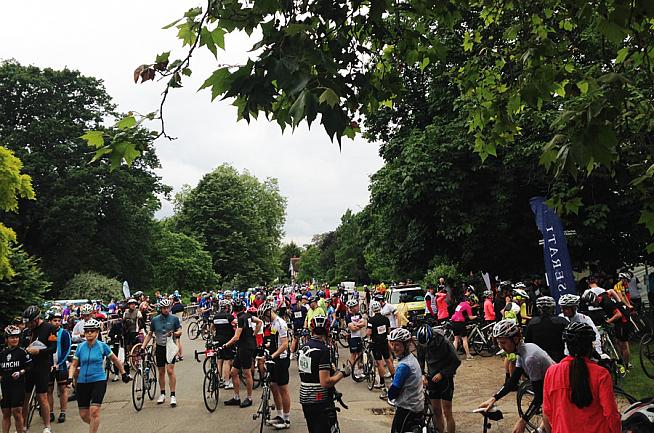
59	375
356	345
160	356
13	394
406	421
380	351
279	371
131	338
243	358
321	418
90	394
37	377
459	329
441	390
622	331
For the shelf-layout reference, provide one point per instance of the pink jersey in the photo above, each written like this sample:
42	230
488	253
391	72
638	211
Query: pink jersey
463	307
489	311
441	303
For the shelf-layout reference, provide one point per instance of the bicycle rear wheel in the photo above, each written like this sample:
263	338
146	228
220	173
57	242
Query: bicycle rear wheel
31	409
647	355
135	357
265	411
193	330
138	390
524	397
343	337
370	371
151	379
210	391
622	399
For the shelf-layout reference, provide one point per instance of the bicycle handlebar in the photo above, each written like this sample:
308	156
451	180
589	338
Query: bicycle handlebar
338	397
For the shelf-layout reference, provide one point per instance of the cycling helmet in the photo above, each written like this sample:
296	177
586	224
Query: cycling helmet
545	302
91	324
487	294
238	305
624	275
224	304
320	294
470	289
55	313
352	303
164	303
375	307
31	313
577	332
319	321
12	331
639	417
505	328
379	297
568	300
424	334
590	298
399	334
313	299
519	285
506	284
521	293
86	309
132	301
138	294
264	308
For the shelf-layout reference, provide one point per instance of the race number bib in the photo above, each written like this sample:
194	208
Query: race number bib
252	325
458	308
304	363
381	329
298	314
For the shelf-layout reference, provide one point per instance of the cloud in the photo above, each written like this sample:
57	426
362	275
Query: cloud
109	39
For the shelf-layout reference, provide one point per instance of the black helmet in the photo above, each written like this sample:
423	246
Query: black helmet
238	304
31	313
577	332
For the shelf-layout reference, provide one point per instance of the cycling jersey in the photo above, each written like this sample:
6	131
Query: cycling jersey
13	360
223	323
91	361
311	313
406	388
246	339
547	333
354	318
439	357
161	325
131	318
462	312
380	326
389	310
430	304
46	334
298	315
512	312
534	360
278	331
441	303
582	318
313	358
489	311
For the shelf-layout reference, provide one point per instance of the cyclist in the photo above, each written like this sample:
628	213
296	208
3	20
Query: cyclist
85	314
546	330
431	310
245	352
441	361
279	372
131	319
222	326
15	362
621	288
355	323
406	388
60	372
569	304
378	330
162	326
462	315
520	297
578	392
298	316
389	311
42	345
489	311
313	310
532	361
441	304
616	315
91	377
317	379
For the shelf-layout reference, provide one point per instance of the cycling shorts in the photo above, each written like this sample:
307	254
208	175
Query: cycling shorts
226	353
90	394
279	371
441	390
13	394
622	331
356	345
321	418
243	358
380	351
37	378
459	329
60	376
160	356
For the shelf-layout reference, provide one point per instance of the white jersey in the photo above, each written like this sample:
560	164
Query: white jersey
582	318
599	292
389	310
78	331
279	330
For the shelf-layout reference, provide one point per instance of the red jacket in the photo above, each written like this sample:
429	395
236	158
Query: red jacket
601	416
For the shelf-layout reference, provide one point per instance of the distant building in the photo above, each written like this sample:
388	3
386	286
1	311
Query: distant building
294	267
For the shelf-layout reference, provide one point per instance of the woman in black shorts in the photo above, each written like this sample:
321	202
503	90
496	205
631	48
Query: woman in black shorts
462	314
14	362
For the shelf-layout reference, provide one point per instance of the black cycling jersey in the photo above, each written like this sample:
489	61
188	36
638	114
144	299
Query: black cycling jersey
13	360
246	340
313	358
223	326
298	314
46	334
547	333
609	306
380	326
439	356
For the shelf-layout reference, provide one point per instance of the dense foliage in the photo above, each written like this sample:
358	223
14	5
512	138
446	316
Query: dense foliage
91	285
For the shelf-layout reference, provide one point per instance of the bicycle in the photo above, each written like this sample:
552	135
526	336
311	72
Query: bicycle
333	345
34	407
481	341
145	379
366	359
198	327
608	344
428	416
265	408
211	382
647	355
341	333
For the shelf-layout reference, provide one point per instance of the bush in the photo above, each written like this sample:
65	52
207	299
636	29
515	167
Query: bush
447	270
91	285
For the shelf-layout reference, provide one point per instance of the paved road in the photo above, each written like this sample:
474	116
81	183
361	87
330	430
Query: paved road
476	380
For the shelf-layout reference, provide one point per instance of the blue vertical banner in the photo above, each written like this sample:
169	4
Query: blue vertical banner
555	250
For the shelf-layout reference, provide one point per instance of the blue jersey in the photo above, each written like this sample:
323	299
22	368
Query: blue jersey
91	361
161	325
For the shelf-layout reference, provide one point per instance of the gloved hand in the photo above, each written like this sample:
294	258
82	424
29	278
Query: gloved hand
69	381
347	369
126	377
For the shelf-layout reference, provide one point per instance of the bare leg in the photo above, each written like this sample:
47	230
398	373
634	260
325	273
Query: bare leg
94	415
449	417
162	378
465	346
45	408
6	420
63	398
170	369
18	418
439	420
84	414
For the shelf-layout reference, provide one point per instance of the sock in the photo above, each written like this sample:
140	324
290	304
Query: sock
287	416
172	393
237	396
280	413
163	392
381	380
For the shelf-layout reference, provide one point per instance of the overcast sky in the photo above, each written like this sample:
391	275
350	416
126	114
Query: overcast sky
109	39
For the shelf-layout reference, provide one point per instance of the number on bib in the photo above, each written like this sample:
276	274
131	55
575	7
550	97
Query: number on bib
304	363
298	314
381	329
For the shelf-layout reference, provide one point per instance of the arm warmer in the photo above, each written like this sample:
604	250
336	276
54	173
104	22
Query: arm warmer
510	383
401	374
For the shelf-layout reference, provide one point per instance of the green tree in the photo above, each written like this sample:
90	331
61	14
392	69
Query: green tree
350	245
87	216
180	262
27	286
287	251
240	220
310	268
91	285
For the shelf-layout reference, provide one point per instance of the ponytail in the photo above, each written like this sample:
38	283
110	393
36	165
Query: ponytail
580	392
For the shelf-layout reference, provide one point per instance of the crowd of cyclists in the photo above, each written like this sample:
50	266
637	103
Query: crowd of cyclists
412	361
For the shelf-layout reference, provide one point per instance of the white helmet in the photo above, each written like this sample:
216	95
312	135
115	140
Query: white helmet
352	303
568	300
505	328
86	309
399	334
91	324
164	303
521	293
375	307
545	302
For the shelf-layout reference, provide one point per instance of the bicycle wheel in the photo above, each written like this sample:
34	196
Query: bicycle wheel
265	411
257	378
138	390
344	338
206	332
31	409
647	355
524	397
193	330
476	341
623	399
210	391
151	379
370	371
206	365
135	358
